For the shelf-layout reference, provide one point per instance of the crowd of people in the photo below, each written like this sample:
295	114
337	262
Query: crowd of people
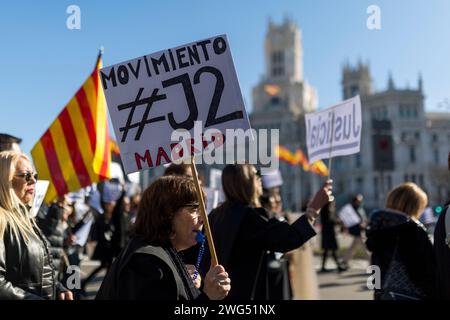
152	246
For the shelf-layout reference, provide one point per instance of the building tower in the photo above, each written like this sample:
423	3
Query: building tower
356	80
284	52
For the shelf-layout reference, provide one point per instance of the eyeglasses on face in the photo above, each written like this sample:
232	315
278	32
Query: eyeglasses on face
193	209
28	176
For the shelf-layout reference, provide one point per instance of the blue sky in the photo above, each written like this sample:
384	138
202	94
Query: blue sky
42	63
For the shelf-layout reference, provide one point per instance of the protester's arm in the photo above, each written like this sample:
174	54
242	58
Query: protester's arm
278	235
7	290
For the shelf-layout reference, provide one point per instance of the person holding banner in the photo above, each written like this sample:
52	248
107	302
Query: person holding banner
26	269
150	267
242	235
191	254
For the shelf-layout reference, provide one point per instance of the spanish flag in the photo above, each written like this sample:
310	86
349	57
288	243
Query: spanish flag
299	158
74	152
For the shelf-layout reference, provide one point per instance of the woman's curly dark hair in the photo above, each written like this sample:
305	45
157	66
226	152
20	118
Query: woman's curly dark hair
159	203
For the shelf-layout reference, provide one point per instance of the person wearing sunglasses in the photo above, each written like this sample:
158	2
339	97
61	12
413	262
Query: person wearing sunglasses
26	269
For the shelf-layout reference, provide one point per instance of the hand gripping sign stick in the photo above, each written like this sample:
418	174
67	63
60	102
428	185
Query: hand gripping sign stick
209	237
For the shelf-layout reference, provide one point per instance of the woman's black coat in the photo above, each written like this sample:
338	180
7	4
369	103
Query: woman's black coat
144	272
442	254
26	269
388	230
242	237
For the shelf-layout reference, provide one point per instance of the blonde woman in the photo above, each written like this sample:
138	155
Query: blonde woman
400	246
26	271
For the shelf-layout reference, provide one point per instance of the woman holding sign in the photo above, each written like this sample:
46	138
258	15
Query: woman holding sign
26	269
150	267
242	234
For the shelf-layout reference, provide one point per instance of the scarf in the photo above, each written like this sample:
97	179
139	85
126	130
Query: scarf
191	291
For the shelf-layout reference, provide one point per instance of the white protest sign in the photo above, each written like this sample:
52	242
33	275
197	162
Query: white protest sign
215	179
39	194
214	197
151	96
334	131
349	216
272	179
82	234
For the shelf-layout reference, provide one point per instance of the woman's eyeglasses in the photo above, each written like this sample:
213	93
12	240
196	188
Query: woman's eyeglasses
193	210
28	176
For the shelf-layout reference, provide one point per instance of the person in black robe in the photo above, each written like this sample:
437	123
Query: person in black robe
243	235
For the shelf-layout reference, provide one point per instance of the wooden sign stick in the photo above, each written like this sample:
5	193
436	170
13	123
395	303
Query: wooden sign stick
209	237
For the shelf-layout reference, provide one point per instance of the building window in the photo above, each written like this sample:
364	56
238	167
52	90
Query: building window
359	185
436	156
434	138
413	178
277	63
389	182
421	183
412	154
275	100
409	112
375	189
275	57
405	179
354	90
358	160
417	135
414	112
402	111
404	135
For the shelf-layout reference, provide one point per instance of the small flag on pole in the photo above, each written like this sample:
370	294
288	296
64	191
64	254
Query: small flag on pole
299	158
74	152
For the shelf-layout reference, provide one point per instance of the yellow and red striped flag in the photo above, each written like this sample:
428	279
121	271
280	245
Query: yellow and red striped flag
299	158
74	152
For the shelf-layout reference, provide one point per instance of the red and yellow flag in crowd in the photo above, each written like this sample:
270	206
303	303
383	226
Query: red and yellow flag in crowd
299	158
74	152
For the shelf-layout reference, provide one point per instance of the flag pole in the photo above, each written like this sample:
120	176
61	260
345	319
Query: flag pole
329	156
209	237
331	147
101	51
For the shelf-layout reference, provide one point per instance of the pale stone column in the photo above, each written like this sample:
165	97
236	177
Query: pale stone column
302	272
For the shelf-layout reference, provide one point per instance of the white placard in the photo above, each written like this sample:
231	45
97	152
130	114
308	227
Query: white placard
349	216
151	96
272	179
215	179
334	131
214	197
82	234
39	194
